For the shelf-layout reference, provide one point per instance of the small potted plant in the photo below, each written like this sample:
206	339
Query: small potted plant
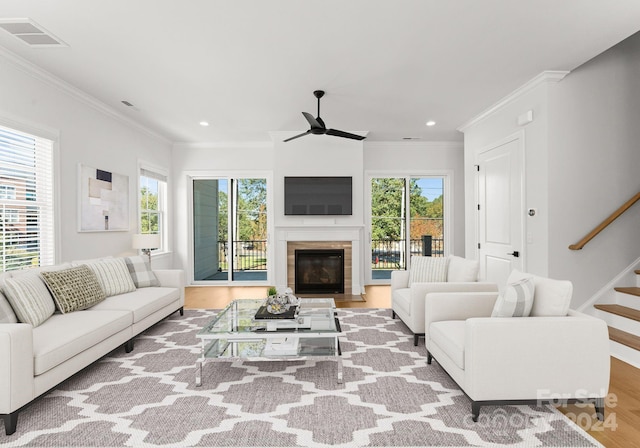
272	291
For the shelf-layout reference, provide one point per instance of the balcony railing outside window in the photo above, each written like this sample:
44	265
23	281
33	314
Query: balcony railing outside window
251	255
387	254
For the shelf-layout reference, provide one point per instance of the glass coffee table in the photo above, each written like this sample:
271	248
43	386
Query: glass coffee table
234	333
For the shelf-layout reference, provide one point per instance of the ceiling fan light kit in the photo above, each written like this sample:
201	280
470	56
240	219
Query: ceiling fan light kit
318	127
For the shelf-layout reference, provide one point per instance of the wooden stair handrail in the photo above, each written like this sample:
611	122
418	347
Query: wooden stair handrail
626	206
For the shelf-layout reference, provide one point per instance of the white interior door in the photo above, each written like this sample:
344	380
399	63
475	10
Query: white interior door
500	214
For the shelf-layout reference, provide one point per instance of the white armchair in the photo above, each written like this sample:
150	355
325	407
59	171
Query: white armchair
408	298
519	360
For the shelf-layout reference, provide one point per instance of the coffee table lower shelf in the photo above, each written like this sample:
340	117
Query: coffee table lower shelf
320	348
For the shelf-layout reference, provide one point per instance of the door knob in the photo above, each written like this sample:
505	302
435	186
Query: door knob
515	253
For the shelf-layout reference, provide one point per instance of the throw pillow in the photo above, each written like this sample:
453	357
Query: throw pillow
462	270
113	275
140	272
552	297
74	289
516	300
428	269
29	298
7	316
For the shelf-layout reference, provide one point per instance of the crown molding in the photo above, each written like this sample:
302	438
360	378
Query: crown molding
77	94
544	77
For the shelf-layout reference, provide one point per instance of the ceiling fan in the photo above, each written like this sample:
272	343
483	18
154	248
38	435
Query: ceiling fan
318	127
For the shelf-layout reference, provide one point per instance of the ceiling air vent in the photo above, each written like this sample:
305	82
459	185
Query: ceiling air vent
30	33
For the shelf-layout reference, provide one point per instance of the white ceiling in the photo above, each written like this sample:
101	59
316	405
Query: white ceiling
250	66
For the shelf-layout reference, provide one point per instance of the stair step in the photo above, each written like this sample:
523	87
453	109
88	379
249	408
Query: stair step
635	291
624	338
620	310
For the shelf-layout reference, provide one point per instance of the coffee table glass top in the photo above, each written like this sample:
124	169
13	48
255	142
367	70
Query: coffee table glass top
238	318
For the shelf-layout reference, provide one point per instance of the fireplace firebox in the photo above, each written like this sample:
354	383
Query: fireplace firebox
319	271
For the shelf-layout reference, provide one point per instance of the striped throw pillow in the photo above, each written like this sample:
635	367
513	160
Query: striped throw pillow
428	269
74	289
516	300
113	276
29	298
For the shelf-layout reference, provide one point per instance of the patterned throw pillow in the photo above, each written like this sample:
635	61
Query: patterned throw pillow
113	276
141	272
428	269
516	300
74	289
29	298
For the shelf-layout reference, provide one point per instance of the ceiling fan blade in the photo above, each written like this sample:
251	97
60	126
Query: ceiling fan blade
297	136
312	120
344	134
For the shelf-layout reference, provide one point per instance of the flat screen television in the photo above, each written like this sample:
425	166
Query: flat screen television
319	195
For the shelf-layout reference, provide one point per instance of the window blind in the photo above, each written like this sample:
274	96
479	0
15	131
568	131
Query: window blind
26	200
153	175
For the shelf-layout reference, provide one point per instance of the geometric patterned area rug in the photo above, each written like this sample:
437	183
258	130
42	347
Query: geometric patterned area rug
390	397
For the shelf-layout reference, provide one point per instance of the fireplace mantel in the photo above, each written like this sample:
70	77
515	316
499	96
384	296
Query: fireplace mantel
335	232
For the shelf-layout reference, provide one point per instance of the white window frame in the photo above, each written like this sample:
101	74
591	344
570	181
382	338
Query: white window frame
43	197
161	175
446	175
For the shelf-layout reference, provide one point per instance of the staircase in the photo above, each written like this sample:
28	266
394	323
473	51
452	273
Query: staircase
623	319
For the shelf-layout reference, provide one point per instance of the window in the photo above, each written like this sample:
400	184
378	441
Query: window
153	205
407	218
26	200
230	229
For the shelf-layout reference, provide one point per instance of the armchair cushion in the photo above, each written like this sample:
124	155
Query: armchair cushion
516	300
551	297
462	269
428	269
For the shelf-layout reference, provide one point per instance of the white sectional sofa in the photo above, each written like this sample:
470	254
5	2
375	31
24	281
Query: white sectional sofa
34	359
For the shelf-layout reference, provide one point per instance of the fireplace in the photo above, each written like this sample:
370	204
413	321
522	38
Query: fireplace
319	271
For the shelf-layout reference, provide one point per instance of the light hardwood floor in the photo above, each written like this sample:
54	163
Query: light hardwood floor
621	428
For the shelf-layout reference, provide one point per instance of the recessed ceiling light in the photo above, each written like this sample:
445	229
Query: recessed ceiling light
431	123
204	123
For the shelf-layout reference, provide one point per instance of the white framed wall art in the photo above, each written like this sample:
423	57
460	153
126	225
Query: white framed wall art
103	203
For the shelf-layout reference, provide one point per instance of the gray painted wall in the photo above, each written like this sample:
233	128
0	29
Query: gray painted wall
594	163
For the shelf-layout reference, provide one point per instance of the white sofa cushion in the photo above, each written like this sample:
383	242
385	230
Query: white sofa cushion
63	336
515	300
29	298
142	303
449	336
428	269
462	270
112	274
551	297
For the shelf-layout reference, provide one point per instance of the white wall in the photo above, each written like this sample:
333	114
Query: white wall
34	100
499	123
594	159
312	156
582	156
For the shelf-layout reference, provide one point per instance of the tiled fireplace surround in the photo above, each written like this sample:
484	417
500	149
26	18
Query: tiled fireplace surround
288	239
